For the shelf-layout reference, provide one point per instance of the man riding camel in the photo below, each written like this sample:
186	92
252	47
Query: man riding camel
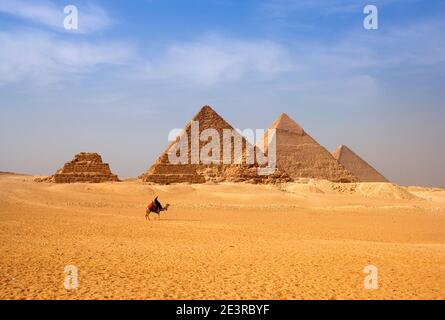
157	204
156	207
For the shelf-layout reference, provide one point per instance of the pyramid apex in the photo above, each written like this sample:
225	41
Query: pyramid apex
207	108
359	167
284	122
339	151
342	147
208	114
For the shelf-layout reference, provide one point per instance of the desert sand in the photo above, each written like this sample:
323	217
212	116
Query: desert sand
305	240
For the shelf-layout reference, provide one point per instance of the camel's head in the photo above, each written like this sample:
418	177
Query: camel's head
166	206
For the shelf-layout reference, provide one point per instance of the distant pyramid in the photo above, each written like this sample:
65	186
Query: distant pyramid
85	167
164	172
300	156
357	165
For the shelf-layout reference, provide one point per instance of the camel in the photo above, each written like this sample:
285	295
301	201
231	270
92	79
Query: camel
153	208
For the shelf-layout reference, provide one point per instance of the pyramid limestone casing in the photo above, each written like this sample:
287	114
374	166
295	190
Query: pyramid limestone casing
163	172
358	166
85	167
300	156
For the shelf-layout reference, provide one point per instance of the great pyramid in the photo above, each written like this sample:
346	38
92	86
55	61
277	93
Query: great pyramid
164	172
359	167
300	156
85	167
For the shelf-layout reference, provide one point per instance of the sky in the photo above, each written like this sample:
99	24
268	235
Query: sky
135	70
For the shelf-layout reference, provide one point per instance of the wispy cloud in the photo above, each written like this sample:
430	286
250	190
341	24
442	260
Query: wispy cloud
43	58
215	59
361	65
399	46
92	18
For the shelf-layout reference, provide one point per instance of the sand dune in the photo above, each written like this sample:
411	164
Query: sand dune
307	240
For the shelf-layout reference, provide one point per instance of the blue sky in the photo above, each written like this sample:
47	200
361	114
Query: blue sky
137	69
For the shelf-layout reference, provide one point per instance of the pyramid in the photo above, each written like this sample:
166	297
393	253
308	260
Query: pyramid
300	156
164	172
358	166
85	167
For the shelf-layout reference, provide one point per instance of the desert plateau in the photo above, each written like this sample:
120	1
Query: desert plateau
309	239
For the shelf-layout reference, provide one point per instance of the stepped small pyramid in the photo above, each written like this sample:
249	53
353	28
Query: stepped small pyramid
85	167
300	156
359	167
164	172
